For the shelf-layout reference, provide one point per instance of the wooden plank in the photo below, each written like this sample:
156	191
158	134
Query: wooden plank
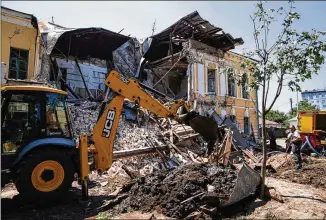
137	152
189	136
227	149
250	155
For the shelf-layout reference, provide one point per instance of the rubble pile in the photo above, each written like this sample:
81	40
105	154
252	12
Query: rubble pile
183	190
83	117
131	136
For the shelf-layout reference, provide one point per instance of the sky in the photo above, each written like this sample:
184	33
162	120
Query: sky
137	18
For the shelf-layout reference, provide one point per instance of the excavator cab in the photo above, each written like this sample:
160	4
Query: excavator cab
35	129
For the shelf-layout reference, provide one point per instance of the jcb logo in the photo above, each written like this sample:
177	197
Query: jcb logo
124	79
108	124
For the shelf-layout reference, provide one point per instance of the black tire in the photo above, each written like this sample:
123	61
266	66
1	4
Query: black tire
23	181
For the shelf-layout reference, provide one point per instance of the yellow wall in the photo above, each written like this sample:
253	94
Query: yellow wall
239	104
25	40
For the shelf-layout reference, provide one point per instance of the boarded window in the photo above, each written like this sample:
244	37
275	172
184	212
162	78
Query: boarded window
18	64
211	82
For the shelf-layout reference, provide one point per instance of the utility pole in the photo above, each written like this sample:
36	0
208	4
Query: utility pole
52	20
154	27
290	105
297	103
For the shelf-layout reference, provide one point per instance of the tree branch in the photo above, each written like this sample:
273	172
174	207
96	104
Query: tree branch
278	92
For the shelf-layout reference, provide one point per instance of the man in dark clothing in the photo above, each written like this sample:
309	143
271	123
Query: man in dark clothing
272	138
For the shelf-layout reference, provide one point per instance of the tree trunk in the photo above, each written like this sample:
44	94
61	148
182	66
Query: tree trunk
263	169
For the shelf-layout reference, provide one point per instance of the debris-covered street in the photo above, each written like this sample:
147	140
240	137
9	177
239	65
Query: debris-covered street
123	121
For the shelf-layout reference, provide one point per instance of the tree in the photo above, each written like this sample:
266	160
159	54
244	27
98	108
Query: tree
289	59
304	105
278	116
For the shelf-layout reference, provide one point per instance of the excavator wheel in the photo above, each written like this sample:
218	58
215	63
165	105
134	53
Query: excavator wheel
45	175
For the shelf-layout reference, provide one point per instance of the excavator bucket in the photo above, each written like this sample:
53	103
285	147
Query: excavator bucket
205	126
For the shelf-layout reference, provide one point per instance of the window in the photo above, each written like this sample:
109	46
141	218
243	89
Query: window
323	101
231	84
317	101
22	122
56	119
245	88
211	83
18	64
246	126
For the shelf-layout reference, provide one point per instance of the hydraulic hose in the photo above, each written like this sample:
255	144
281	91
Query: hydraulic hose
310	146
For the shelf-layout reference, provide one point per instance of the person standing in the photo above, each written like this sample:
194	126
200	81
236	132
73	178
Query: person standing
296	142
272	138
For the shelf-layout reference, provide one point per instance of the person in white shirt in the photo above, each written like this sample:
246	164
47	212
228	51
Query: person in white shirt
295	141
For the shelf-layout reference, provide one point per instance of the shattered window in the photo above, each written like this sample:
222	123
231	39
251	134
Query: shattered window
18	63
211	83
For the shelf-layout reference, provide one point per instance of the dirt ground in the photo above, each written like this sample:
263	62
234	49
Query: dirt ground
300	202
303	192
312	173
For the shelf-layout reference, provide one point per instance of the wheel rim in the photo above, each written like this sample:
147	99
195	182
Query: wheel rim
48	176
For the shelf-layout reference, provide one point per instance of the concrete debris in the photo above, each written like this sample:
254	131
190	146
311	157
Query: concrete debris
130	136
83	117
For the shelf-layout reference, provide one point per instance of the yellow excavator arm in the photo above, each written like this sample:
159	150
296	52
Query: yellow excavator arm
105	129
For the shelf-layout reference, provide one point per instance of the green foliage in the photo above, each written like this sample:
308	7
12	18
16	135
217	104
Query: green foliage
292	58
278	116
304	105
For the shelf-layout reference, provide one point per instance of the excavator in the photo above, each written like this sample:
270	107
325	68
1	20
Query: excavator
39	153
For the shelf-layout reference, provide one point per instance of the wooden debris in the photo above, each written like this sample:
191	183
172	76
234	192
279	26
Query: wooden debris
136	152
191	198
132	173
273	194
250	155
227	149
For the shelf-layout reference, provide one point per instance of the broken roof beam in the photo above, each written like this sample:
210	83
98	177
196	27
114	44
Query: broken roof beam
164	59
83	79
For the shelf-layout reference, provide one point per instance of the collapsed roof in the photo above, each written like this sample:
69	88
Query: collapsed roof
84	43
192	26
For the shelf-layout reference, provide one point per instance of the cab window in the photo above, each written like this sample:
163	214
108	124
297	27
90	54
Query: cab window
56	118
21	122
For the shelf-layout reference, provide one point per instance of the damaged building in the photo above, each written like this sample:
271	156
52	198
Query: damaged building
191	59
19	44
77	60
